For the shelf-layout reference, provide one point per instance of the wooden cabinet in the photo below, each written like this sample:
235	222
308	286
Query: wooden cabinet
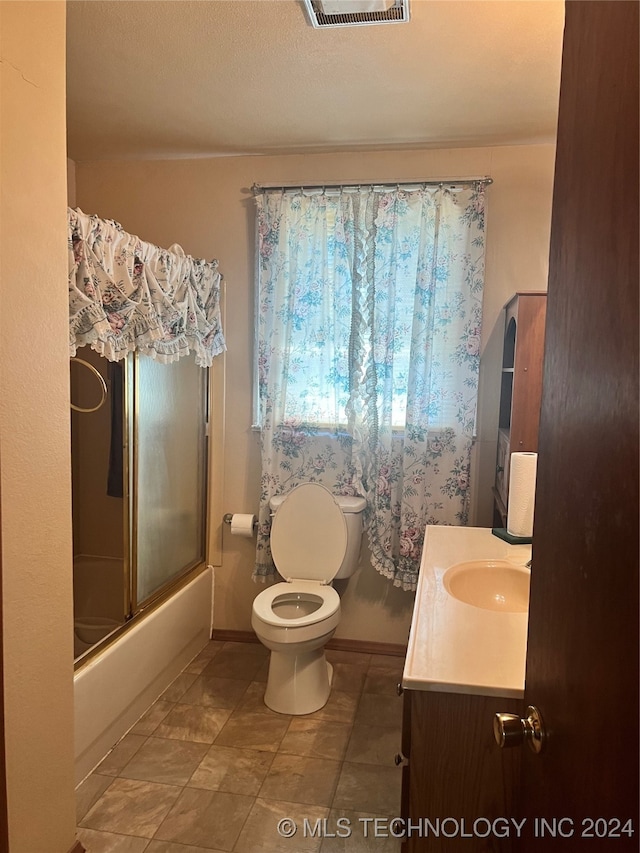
455	771
521	389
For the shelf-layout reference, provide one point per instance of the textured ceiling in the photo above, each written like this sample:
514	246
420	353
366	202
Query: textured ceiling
188	79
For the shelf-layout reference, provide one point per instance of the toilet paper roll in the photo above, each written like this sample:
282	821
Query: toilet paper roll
522	492
242	524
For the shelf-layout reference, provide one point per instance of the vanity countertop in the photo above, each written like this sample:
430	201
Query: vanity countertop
455	647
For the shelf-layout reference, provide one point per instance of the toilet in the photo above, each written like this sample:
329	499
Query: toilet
89	630
315	537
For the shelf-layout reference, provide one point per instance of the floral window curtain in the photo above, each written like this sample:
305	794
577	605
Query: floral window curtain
125	295
304	325
370	305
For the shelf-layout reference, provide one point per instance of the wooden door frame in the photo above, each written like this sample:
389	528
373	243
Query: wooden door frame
4	819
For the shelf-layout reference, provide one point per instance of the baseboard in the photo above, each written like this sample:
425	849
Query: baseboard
234	636
77	848
365	646
369	648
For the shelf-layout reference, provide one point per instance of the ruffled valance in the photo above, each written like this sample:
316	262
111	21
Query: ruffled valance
126	295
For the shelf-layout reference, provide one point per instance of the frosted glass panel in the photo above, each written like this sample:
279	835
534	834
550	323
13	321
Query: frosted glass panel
170	470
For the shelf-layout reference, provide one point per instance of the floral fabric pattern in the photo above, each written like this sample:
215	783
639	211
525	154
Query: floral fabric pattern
125	295
369	328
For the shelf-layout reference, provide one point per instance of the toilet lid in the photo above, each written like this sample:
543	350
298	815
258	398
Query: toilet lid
309	534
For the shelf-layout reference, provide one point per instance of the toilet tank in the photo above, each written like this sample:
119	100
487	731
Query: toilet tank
352	507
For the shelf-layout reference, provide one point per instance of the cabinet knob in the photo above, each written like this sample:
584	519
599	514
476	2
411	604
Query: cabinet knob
399	689
499	469
398	759
511	730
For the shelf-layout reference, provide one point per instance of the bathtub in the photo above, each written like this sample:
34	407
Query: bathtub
113	689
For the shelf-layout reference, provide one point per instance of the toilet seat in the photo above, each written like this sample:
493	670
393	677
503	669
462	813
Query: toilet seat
308	559
263	603
309	535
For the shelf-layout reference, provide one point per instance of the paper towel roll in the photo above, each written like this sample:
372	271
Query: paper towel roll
242	524
522	493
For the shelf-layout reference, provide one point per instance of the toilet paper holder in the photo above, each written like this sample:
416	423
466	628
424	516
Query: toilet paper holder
229	515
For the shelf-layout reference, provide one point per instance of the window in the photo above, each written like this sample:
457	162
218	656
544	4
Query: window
356	294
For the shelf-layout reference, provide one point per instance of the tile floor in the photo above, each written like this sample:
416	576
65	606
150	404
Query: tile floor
210	768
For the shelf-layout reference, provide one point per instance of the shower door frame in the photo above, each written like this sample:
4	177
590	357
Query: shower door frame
210	546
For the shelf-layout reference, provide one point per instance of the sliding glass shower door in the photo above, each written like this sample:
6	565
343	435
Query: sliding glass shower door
139	464
168	472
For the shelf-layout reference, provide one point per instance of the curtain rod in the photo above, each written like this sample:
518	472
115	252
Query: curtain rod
257	189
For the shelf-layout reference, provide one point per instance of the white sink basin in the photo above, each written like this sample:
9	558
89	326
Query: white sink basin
490	584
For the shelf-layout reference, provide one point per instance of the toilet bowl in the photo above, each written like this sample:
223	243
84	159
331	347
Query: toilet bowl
314	538
91	629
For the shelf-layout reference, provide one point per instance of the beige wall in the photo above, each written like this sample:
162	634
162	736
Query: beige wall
205	205
34	431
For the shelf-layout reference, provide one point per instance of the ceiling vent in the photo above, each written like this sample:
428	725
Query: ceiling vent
354	13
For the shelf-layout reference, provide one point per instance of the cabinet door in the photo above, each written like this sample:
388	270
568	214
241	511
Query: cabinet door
405	800
406	723
457	772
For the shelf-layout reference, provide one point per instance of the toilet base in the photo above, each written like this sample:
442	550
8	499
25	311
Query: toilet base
298	683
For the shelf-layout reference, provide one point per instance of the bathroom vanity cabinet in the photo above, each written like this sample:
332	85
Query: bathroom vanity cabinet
464	664
454	773
521	389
